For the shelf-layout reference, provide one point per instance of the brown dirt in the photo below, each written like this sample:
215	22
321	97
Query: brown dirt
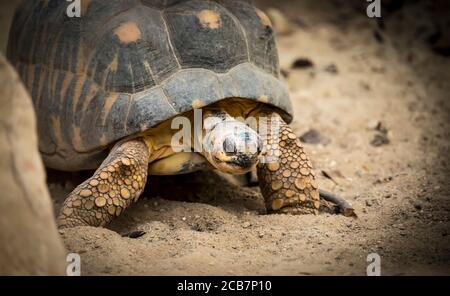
361	74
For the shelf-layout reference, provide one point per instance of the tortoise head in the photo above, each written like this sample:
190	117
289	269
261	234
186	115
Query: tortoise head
232	147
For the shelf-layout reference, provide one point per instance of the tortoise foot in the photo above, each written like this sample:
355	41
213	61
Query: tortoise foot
114	186
286	176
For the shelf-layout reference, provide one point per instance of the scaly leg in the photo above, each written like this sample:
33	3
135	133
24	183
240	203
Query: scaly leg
114	186
287	180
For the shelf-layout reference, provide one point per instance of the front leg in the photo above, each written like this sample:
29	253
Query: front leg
285	174
114	186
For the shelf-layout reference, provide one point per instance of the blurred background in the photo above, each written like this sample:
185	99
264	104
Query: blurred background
372	106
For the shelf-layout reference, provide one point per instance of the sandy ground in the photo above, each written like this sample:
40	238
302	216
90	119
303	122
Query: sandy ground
367	82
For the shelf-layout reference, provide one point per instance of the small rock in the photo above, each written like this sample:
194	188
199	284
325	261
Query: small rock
284	73
388	195
261	234
383	180
246	225
365	85
134	234
332	69
377	125
381	128
379	140
313	136
369	203
418	206
302	63
184	218
372	124
197	227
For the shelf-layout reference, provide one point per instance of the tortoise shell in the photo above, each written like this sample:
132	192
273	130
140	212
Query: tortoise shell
126	65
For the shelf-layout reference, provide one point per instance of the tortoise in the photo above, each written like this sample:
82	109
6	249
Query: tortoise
110	86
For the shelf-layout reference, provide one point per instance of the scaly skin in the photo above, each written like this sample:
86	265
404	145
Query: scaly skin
287	182
114	186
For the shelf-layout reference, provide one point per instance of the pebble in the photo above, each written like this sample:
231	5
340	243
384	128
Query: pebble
246	224
379	140
302	63
313	136
372	124
332	69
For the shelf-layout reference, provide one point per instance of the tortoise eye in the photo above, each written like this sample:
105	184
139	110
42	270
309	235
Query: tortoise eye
229	146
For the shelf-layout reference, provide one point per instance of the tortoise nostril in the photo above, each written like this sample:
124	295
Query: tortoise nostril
229	146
